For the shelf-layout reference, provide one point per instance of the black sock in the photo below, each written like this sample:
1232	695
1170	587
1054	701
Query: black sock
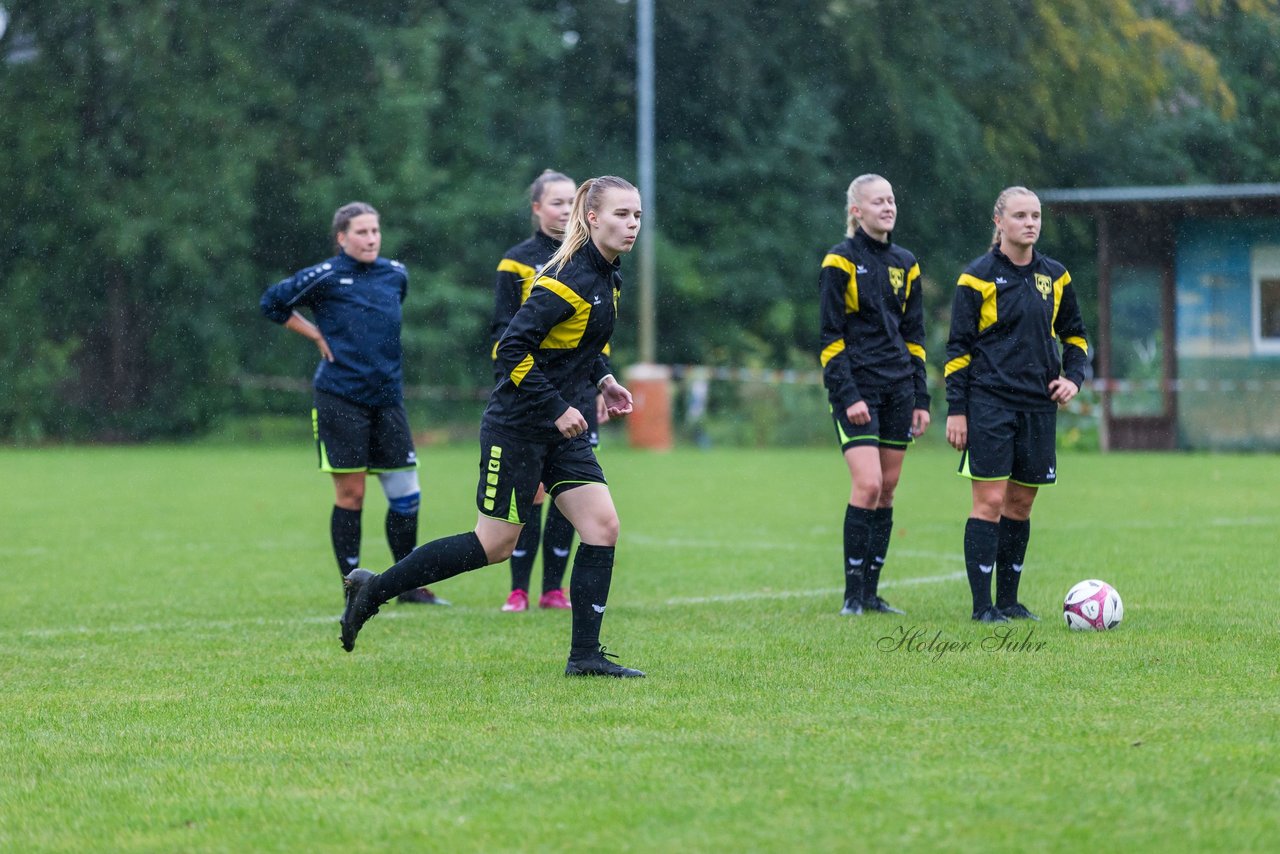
1014	536
526	550
857	537
427	564
881	530
557	541
344	531
592	572
981	539
402	533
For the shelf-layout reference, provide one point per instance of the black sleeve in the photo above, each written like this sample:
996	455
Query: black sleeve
837	373
1070	328
300	289
506	300
966	308
913	334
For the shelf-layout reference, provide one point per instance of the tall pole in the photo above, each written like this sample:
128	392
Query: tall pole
644	156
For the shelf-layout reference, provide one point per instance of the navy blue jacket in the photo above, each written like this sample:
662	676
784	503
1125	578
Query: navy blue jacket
357	307
554	347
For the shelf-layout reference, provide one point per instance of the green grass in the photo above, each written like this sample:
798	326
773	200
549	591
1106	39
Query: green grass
173	679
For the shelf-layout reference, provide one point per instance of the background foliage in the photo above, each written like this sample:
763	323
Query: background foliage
166	161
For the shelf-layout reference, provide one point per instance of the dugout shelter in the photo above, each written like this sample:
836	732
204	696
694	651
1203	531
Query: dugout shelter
1188	337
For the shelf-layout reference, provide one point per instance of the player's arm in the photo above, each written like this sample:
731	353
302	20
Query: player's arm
913	335
612	397
603	368
1069	326
834	283
966	309
278	305
299	324
507	290
530	325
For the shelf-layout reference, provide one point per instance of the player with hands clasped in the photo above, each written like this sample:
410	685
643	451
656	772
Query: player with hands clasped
872	355
1016	353
530	432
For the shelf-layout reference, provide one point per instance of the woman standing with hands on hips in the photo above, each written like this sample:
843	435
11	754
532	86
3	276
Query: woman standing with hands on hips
1016	353
873	367
359	418
530	433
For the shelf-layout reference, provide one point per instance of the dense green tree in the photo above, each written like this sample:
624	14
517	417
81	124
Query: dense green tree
164	162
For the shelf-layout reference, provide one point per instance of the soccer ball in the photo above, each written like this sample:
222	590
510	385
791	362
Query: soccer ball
1092	604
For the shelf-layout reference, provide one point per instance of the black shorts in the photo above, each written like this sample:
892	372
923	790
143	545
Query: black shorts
891	409
1006	444
352	437
511	469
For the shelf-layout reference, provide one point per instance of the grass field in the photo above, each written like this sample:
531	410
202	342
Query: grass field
173	679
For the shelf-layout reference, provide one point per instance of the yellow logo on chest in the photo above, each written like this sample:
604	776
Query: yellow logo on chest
897	278
1044	285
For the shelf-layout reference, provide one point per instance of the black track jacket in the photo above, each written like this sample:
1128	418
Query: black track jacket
554	346
1006	325
872	320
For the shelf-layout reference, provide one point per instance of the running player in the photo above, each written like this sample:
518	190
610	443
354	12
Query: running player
550	198
531	433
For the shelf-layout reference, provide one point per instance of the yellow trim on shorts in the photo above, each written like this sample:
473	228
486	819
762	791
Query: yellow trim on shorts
965	471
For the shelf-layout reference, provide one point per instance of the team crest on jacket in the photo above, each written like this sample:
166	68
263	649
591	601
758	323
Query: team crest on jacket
1044	285
897	276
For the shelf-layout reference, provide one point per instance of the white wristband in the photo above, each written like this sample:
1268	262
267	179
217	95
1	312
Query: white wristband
600	384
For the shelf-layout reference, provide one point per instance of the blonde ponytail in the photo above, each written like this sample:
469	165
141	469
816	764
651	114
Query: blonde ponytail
578	231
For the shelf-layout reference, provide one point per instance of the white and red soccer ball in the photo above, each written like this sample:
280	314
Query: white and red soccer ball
1092	605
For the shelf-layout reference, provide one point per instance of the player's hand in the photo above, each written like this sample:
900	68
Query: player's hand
919	422
958	431
571	423
602	410
1062	390
616	398
323	345
859	413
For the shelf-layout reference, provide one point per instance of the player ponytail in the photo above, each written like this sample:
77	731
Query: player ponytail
1001	201
853	196
342	219
576	234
